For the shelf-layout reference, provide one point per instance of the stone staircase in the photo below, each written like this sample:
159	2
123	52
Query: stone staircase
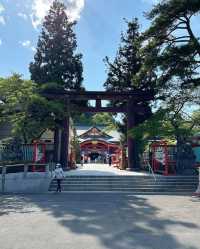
130	184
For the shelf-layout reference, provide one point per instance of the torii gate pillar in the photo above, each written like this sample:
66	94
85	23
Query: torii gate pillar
65	143
131	143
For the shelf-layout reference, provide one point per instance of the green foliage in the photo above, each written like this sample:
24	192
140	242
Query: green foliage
76	147
29	113
127	62
16	97
167	124
15	94
104	119
171	57
13	150
123	75
55	59
83	119
173	48
57	67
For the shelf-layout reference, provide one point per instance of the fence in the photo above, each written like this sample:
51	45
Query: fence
28	152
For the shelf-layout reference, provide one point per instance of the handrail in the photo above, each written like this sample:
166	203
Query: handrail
151	170
22	164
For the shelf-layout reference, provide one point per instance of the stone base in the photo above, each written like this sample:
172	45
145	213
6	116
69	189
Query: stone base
133	169
187	172
129	169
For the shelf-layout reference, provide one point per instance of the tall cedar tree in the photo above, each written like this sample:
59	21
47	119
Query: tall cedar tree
56	62
125	67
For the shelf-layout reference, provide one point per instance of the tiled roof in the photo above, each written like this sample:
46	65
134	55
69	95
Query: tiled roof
114	135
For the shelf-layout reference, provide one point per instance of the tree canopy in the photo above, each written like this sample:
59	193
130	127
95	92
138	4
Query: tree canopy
173	47
17	95
56	60
122	72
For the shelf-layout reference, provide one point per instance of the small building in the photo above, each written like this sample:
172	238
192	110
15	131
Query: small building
97	144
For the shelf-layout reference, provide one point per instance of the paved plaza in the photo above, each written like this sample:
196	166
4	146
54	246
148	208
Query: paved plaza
99	221
95	169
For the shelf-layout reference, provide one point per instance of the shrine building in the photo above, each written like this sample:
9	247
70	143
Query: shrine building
97	144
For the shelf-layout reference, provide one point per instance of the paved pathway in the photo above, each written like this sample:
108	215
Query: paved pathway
99	221
101	169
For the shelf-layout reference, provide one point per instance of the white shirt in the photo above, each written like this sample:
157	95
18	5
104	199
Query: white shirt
59	173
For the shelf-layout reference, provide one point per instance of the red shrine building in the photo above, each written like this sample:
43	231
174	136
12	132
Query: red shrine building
97	144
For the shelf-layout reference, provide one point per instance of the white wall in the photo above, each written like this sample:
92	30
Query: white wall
32	183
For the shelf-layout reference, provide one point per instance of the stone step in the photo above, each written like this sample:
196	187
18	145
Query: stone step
124	181
133	184
124	184
131	177
132	180
124	187
129	190
127	186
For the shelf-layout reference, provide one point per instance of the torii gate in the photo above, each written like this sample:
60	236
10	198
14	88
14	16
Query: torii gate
130	97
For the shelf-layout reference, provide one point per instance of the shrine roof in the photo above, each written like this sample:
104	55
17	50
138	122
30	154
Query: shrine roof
109	136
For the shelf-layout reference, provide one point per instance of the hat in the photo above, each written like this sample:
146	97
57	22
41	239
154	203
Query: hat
58	165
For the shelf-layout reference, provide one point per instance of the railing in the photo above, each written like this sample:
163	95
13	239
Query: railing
24	168
151	171
147	164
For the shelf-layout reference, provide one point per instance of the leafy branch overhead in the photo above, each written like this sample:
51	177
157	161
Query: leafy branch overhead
173	47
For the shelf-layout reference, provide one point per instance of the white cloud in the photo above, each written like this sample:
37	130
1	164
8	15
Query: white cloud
75	8
151	1
40	9
22	15
0	42
2	19
2	9
27	44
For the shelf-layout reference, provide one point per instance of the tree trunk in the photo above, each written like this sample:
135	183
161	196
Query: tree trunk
65	143
178	155
123	162
131	142
56	144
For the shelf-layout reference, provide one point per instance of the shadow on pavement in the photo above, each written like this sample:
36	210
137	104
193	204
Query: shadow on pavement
118	221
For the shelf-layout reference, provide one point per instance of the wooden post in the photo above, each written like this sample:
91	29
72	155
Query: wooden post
132	150
3	179
25	170
98	103
47	170
56	144
123	159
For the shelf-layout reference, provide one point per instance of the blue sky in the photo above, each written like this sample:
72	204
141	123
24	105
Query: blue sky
98	30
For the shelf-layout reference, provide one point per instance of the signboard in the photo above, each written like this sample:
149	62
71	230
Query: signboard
160	155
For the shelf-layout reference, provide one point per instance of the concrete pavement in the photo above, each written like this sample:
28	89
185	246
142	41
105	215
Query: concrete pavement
95	169
99	221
